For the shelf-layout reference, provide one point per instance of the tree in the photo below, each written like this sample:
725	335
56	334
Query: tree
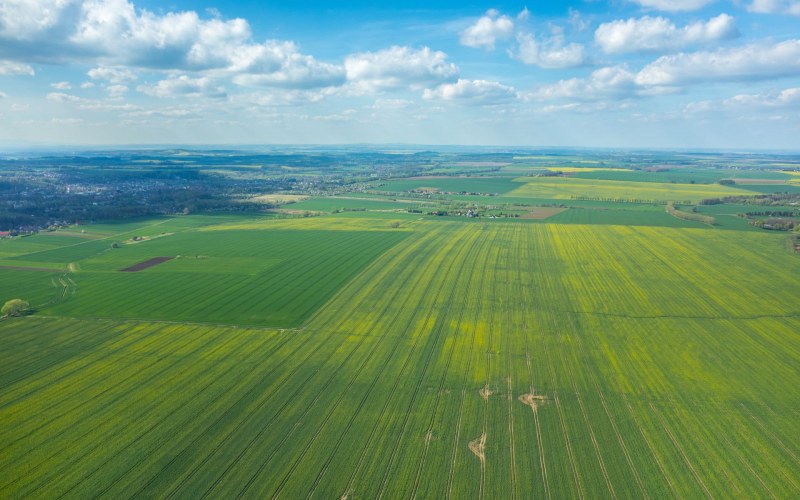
15	307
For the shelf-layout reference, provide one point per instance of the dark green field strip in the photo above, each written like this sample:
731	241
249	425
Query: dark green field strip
281	295
620	217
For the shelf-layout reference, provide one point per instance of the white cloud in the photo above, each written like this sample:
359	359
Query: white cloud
473	91
61	85
62	97
3	95
280	64
551	53
655	34
117	90
384	104
113	75
749	62
784	98
8	68
488	29
775	7
183	86
87	85
673	5
398	67
613	82
118	36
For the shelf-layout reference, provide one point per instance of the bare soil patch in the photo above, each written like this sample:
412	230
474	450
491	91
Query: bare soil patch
533	400
144	265
485	392
542	213
23	268
478	447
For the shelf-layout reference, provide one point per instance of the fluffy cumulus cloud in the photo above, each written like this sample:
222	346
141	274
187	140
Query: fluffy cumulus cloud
112	75
550	53
61	85
775	7
280	64
613	82
657	34
487	30
473	91
119	36
749	62
784	98
14	68
673	5
399	67
183	86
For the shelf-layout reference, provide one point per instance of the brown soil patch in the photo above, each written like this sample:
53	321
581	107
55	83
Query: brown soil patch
485	392
144	265
543	213
533	400
23	268
478	447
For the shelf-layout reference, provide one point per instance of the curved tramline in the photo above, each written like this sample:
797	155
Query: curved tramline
358	407
525	298
362	456
467	372
547	285
415	393
320	393
434	411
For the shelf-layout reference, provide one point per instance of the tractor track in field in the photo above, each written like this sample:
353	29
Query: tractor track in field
456	330
389	399
746	465
651	447
425	366
542	457
456	443
680	450
530	398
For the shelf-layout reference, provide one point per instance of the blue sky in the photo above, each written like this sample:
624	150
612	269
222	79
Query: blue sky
624	73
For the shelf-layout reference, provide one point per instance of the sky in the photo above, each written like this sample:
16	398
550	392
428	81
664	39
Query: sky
686	74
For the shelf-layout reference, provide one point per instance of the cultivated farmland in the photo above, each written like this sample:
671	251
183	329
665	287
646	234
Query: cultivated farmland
336	356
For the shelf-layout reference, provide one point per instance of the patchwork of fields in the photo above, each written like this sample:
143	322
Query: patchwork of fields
440	359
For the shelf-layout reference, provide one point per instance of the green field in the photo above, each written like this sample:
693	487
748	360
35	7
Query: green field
609	351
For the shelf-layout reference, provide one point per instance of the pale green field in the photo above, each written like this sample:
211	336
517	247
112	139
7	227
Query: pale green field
466	360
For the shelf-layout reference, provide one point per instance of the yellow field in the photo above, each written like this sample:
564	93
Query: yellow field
570	188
